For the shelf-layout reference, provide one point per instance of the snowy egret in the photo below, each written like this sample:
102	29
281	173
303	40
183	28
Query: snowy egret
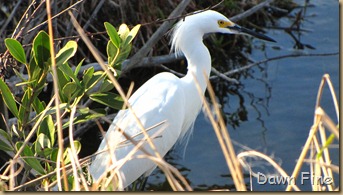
165	97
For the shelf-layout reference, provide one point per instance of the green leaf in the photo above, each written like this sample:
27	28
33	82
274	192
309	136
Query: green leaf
87	76
47	128
66	156
30	159
132	34
53	155
106	86
32	66
77	146
24	108
19	75
84	118
41	143
84	110
8	98
36	75
96	77
327	143
113	34
123	31
38	106
50	111
63	79
124	53
46	152
5	147
109	99
25	83
41	48
69	89
77	69
16	50
4	141
5	135
51	128
112	53
65	68
66	53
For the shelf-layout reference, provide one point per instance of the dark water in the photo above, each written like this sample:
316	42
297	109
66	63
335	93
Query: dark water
280	104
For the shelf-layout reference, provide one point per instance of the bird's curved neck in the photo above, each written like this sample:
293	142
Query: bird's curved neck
198	60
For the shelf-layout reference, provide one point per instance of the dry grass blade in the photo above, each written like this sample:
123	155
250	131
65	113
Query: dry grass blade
320	152
334	168
331	126
10	17
57	99
73	165
223	137
55	16
253	153
170	171
73	155
326	79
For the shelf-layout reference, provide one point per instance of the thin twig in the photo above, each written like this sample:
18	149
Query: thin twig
252	153
158	60
223	76
55	16
331	166
276	58
168	23
9	19
95	12
157	35
57	99
183	15
251	11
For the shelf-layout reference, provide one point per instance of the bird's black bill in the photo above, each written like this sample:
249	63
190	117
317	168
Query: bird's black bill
243	30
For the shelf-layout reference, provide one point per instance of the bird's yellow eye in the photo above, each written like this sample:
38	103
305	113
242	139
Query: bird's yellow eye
221	23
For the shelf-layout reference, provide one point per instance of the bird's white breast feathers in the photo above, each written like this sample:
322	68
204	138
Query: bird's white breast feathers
160	99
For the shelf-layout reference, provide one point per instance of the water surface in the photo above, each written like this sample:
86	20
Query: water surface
280	104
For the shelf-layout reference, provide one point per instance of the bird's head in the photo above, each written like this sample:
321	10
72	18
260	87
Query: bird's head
210	21
214	22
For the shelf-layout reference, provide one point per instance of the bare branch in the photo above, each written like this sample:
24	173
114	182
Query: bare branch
135	61
95	12
276	58
157	35
223	76
9	19
160	60
251	11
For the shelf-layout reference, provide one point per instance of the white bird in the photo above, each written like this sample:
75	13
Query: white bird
165	98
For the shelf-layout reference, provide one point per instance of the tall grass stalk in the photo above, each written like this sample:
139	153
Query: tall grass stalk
223	137
252	153
320	152
57	101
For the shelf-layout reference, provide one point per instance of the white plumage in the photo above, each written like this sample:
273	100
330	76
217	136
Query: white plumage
164	97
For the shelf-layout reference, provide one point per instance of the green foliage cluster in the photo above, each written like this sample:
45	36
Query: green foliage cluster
35	137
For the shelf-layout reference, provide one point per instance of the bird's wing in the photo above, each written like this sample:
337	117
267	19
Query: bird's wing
159	101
